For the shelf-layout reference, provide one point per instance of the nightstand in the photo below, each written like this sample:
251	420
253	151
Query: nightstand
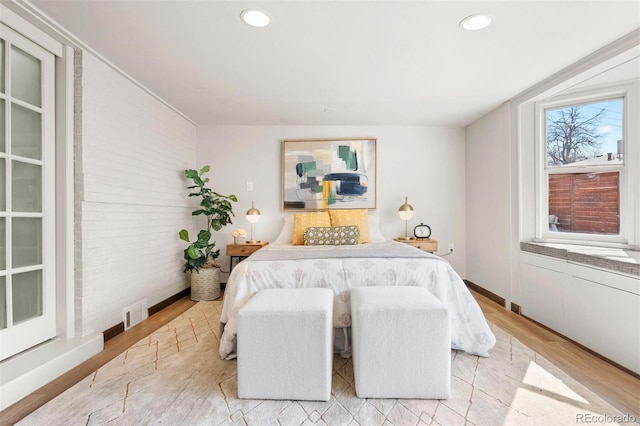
427	244
239	252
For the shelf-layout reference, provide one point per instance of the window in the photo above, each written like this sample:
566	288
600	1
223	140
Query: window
583	168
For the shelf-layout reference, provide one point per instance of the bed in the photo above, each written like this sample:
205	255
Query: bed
341	268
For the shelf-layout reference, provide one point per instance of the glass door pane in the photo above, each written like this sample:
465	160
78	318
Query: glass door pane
3	185
3	238
3	302
2	125
26	242
26	187
26	296
26	132
2	66
28	87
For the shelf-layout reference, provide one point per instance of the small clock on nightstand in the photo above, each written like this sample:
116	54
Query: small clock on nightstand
421	239
422	231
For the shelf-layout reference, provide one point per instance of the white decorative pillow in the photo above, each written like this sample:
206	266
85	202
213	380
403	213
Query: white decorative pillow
331	235
374	229
286	233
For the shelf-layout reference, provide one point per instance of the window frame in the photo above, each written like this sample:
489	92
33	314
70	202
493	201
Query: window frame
628	169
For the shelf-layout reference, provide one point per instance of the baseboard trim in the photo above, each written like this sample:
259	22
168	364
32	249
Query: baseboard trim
486	293
515	308
168	301
591	351
112	332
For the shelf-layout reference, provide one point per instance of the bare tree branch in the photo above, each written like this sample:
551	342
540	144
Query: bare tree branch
572	137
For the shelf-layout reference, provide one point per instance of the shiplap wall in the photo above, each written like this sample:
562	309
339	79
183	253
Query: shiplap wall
130	196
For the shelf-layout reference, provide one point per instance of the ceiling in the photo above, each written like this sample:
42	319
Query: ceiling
341	62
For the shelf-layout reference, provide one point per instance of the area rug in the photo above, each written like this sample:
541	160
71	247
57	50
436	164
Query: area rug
175	377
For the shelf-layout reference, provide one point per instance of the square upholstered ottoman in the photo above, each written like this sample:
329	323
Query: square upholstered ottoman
285	345
401	343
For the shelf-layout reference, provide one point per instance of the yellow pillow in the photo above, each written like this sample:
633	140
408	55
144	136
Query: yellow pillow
302	221
358	217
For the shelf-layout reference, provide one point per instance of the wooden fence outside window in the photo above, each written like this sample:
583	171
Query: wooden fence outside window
586	202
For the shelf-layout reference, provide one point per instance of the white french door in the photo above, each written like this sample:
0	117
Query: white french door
27	194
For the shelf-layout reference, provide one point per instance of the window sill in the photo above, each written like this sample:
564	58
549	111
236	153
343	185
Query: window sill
611	259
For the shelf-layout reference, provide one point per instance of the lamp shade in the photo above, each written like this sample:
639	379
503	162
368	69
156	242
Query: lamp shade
406	210
253	214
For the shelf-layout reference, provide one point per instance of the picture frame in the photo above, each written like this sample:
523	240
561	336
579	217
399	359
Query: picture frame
322	174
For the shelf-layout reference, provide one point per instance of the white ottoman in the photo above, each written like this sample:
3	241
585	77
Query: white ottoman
285	345
401	343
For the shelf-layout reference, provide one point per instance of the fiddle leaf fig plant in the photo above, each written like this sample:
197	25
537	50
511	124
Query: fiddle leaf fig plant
218	210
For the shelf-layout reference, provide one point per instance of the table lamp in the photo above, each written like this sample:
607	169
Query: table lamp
252	215
405	212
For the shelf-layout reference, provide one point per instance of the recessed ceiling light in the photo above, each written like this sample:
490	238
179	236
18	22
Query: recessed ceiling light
476	22
255	17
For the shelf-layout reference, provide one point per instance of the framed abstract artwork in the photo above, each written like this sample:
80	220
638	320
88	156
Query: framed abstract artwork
319	174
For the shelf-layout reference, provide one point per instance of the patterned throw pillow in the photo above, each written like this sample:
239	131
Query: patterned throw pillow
331	236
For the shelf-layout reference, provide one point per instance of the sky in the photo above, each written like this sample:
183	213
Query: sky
610	124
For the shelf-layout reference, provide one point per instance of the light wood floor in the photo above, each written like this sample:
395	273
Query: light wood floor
617	387
112	349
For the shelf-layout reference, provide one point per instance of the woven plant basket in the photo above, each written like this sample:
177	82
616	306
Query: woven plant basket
205	284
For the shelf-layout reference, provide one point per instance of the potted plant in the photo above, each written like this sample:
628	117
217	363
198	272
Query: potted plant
200	255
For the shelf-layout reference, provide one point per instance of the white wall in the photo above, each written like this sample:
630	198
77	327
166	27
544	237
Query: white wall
130	153
594	307
487	199
424	163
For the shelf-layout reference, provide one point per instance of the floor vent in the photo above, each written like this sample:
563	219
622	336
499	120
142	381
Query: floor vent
134	314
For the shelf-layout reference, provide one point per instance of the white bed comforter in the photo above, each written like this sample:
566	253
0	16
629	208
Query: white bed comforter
339	272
